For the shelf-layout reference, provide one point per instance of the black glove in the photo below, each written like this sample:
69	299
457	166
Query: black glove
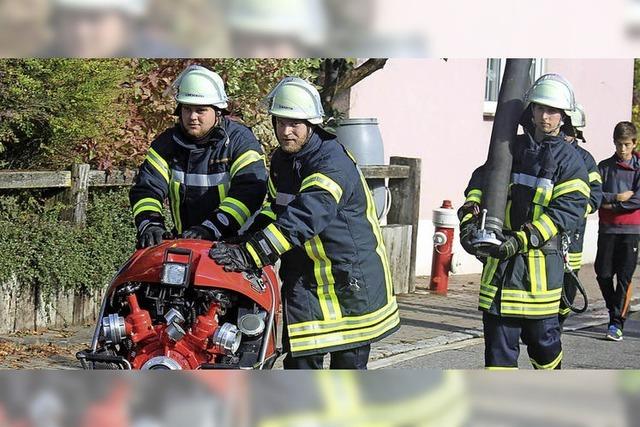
204	231
469	208
232	257
467	233
510	246
151	234
255	253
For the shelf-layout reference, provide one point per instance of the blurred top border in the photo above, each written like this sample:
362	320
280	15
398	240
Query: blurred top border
318	28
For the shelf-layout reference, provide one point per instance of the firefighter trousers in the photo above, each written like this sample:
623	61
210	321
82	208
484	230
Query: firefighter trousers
617	256
502	341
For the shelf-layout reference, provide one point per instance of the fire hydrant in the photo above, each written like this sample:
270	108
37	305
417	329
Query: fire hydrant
444	221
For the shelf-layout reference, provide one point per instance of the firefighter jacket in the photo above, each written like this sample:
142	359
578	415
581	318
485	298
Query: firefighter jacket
576	237
322	221
549	190
219	182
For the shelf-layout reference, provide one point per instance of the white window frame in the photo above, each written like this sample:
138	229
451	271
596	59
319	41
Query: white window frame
489	106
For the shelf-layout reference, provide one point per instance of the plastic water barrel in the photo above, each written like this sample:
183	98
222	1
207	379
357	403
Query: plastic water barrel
363	140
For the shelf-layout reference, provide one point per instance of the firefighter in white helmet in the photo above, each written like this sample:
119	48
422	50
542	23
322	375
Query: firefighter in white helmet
573	129
320	221
522	278
210	168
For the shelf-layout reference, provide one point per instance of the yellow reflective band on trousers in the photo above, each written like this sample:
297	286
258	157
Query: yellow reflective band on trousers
280	242
575	260
174	198
442	403
507	216
324	278
551	365
501	368
571	186
147	204
158	163
564	311
244	160
545	226
324	182
474	195
595	177
487	290
236	209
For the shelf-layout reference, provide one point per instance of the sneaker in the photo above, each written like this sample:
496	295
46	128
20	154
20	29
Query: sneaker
614	333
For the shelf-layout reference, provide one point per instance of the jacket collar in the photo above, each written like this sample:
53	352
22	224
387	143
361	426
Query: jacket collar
633	164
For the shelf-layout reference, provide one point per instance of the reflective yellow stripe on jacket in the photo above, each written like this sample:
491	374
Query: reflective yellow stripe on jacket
158	163
147	204
244	160
238	210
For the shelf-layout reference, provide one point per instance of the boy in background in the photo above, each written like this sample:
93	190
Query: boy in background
619	226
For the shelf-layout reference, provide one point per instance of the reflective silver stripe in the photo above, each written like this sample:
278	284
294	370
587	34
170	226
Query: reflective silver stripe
200	180
531	181
283	199
524	179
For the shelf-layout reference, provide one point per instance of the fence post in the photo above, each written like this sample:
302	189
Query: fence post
405	206
77	197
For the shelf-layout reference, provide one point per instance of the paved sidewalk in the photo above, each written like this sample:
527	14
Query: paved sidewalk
428	321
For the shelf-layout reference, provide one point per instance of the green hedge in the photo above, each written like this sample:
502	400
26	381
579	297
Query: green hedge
51	255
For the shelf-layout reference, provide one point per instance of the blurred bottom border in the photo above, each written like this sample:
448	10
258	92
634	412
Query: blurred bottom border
325	398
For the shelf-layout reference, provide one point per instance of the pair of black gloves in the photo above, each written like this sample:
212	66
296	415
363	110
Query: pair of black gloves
512	241
232	253
153	233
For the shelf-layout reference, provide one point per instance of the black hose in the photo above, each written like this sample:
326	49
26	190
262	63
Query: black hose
582	291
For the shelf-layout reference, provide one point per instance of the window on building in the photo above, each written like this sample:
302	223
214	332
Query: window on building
495	71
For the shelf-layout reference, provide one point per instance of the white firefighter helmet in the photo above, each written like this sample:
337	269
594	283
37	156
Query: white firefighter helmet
552	90
304	21
134	8
578	117
198	85
295	98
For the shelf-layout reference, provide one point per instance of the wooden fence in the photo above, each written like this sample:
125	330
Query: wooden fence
400	233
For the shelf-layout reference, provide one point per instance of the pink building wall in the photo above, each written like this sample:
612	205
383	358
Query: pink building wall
433	109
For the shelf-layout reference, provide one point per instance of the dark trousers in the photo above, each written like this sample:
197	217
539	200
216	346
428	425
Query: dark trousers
502	341
355	358
617	256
